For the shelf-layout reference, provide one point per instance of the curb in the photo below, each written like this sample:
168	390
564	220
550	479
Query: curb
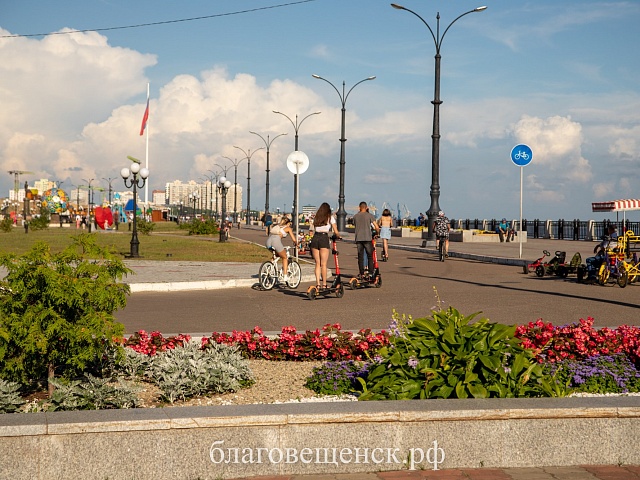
202	285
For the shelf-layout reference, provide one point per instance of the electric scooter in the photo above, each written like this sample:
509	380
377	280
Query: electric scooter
336	286
370	279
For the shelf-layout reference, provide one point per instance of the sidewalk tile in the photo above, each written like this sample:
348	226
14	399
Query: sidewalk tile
611	472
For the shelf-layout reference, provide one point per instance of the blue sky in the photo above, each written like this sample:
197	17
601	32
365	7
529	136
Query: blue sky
562	77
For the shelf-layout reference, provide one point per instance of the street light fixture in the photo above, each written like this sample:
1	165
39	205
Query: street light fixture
135	177
434	208
267	144
296	127
248	154
223	188
342	213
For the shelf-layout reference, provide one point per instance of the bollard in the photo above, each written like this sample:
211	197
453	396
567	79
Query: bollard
560	229
536	228
576	229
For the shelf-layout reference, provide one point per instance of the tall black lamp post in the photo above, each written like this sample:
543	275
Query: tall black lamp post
109	181
342	213
296	126
223	187
267	144
235	163
435	136
135	177
90	201
248	154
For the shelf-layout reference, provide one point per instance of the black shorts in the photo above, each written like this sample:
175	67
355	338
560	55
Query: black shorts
320	240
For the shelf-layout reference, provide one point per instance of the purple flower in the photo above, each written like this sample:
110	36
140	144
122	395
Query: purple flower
413	362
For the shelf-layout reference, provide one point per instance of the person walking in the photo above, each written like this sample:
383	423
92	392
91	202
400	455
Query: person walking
385	222
278	232
363	221
323	223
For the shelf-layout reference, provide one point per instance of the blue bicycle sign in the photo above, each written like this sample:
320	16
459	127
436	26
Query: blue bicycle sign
521	155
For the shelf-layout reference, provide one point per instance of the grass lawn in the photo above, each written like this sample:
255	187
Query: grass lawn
166	239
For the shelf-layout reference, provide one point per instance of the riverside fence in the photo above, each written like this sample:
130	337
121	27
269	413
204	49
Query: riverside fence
555	229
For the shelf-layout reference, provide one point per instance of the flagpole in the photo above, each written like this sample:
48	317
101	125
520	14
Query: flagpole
146	187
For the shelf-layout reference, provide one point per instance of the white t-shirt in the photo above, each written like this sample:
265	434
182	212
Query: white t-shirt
326	228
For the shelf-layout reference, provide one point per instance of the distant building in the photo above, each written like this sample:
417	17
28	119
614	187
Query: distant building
208	197
309	210
158	197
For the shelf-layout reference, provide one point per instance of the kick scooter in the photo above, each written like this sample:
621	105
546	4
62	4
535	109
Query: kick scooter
336	286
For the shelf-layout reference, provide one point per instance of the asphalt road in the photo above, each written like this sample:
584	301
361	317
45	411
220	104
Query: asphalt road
413	284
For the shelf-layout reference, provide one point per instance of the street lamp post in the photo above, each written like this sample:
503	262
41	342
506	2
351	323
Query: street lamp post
342	213
267	144
109	181
235	162
224	169
248	154
435	136
296	127
223	188
135	177
90	202
193	197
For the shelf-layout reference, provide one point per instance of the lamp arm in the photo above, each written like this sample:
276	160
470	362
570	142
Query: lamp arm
447	29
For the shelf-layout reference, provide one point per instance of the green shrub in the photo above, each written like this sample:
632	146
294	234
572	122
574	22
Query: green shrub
6	224
10	399
41	222
199	226
56	310
144	227
444	356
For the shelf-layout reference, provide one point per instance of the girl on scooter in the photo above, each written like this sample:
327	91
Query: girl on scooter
323	224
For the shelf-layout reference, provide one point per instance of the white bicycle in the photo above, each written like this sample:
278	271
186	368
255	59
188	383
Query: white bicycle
271	271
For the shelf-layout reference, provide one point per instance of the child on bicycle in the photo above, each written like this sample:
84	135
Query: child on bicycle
278	232
441	228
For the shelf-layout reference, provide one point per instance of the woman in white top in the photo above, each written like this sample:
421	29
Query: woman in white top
276	234
323	223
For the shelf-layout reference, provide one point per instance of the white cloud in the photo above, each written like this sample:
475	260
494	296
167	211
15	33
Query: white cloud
556	142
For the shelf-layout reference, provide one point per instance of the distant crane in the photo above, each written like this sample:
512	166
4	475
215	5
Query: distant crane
372	208
16	182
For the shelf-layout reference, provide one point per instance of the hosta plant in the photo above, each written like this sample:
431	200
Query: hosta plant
447	356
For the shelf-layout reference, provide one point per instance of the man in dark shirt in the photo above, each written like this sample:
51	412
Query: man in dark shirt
363	221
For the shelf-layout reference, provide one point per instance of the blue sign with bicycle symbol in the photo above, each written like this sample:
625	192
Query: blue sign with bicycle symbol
521	155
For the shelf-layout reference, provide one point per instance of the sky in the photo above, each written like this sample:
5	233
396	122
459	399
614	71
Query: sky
560	77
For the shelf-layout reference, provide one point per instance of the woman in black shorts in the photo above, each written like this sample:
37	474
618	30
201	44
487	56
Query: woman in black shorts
323	224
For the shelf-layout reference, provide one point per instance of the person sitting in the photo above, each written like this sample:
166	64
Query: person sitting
503	229
609	242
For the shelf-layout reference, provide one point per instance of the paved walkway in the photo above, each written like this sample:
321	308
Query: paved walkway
176	275
590	472
165	276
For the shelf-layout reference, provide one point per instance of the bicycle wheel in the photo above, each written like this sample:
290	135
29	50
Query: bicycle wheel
441	250
267	275
623	277
603	275
294	274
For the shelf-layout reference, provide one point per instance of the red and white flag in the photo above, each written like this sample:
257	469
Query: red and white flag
145	118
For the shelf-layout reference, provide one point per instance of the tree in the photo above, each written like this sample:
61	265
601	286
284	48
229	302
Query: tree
56	310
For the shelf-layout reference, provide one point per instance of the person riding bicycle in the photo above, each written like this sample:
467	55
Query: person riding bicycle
441	228
277	233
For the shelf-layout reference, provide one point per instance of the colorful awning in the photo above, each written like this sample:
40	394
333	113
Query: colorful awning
616	206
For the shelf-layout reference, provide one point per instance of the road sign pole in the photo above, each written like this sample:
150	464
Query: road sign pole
521	156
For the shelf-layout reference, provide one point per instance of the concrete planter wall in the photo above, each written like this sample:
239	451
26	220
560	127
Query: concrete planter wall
345	437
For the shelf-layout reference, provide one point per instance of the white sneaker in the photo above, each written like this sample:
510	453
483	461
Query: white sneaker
285	278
